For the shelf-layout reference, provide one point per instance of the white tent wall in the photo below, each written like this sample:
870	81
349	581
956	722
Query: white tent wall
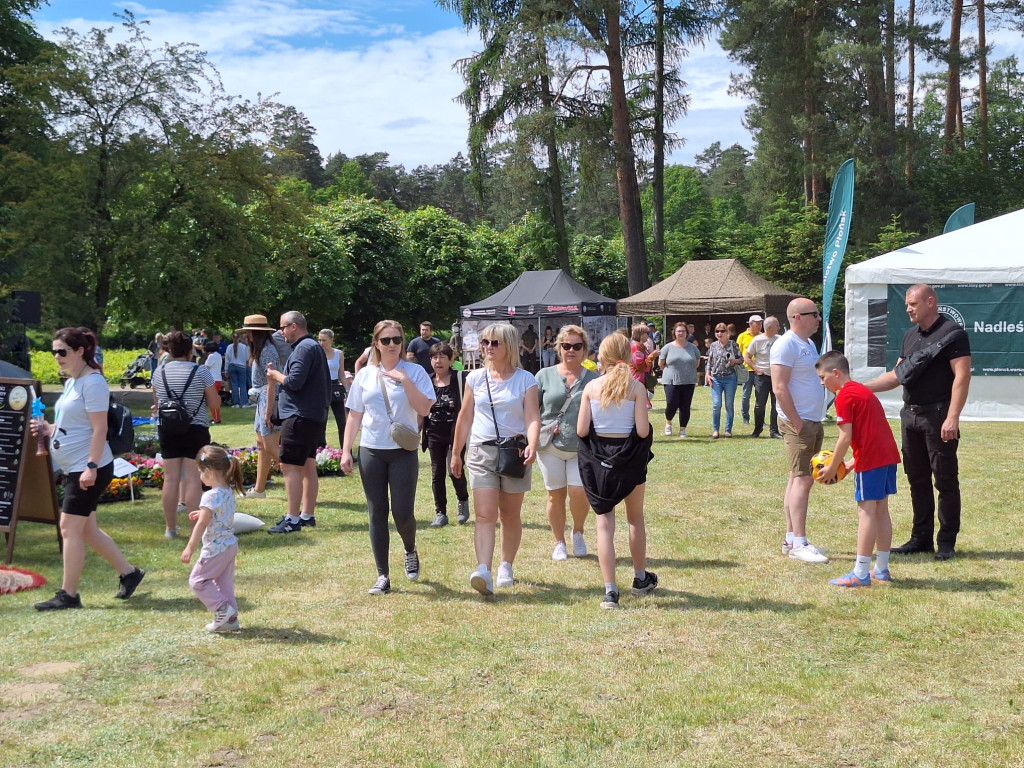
987	253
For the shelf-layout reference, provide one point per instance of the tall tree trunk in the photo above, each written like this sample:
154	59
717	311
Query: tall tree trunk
908	168
554	176
949	128
813	180
630	213
889	48
658	189
982	85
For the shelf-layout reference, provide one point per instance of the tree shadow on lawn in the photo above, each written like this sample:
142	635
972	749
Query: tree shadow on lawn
951	584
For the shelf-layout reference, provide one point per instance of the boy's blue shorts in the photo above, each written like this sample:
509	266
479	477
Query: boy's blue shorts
875	484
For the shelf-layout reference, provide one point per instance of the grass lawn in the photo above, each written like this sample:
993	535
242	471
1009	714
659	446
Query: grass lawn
741	657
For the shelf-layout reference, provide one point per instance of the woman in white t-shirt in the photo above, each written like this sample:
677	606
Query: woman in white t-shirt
500	401
336	367
384	466
215	364
78	443
237	359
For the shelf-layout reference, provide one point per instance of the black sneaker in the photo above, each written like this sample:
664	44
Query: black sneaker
380	587
610	600
128	584
412	565
284	525
650	581
59	602
307	522
463	516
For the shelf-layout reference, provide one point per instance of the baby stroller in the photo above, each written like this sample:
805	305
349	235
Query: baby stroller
137	373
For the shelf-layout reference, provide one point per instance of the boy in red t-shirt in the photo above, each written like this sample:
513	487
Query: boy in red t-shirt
862	424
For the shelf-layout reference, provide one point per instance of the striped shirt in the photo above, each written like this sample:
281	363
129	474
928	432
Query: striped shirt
194	399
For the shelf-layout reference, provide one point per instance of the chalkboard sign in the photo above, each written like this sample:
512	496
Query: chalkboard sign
27	491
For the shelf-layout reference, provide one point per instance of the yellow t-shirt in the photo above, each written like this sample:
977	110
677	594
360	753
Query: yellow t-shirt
743	340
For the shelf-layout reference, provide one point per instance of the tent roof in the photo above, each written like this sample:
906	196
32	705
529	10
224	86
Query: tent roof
708	287
11	371
986	252
544	292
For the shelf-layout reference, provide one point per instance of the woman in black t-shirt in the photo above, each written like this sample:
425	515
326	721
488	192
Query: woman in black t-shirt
439	433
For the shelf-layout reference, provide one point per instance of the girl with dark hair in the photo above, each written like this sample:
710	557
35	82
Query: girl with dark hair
78	443
439	434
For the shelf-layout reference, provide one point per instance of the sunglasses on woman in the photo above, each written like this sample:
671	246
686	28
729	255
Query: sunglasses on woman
385	340
490	343
566	346
60	352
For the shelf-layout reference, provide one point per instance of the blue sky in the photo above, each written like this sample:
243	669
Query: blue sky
376	75
371	75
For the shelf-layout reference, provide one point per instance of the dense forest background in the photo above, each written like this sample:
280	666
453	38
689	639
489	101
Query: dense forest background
136	194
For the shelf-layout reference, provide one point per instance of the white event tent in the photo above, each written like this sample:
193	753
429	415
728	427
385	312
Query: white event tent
978	275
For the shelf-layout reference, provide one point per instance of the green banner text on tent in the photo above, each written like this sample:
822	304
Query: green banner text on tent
992	315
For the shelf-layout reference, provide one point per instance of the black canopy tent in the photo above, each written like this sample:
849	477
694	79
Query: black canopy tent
540	298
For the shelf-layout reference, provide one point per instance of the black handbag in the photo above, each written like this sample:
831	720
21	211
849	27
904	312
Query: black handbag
511	450
337	393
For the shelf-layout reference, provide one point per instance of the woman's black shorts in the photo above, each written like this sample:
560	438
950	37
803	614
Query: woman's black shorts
83	503
183	446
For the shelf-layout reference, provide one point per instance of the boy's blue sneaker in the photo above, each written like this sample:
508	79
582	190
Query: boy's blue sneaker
851	580
880	576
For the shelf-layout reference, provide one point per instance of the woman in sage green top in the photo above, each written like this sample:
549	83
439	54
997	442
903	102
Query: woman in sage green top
559	389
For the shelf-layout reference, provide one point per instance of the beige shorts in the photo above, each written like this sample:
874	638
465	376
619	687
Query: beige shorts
801	446
558	468
480	463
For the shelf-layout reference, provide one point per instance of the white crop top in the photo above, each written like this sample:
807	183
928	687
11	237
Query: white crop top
615	419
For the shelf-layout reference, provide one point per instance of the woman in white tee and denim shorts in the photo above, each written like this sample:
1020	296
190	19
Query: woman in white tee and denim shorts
513	394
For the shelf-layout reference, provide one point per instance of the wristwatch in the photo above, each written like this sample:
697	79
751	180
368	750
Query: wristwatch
91	464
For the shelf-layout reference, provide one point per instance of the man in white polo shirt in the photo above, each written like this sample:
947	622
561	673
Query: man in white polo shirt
801	406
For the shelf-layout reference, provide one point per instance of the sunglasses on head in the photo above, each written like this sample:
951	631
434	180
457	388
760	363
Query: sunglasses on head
385	340
566	346
60	352
490	343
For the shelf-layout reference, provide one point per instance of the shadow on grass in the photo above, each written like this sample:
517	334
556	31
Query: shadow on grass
680	600
289	635
952	584
990	555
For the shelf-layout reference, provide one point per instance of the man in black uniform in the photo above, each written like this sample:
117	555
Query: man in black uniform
930	422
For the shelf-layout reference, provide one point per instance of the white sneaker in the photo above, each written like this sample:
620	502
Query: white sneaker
558	555
579	544
682	434
786	547
808	553
668	430
182	507
505	575
482	582
252	493
224	620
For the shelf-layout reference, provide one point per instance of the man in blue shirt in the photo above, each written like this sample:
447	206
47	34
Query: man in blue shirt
419	347
303	405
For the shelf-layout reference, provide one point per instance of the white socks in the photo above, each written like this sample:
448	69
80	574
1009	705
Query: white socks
863	566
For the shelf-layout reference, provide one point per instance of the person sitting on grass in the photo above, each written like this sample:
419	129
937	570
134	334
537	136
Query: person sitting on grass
863	426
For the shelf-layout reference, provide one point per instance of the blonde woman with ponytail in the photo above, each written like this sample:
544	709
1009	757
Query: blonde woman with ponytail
614	450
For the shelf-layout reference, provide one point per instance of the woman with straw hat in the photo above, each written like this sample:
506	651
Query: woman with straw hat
261	353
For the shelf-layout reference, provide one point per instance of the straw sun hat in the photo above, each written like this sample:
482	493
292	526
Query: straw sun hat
255	323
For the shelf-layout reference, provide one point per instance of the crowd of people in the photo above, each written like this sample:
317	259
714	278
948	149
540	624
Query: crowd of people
589	431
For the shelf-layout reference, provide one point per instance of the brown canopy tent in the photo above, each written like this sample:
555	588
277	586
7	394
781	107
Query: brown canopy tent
709	287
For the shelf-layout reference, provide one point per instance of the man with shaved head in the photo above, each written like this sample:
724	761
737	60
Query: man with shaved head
800	400
930	421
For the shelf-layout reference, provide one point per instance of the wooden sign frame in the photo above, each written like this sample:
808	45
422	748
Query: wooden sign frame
34	496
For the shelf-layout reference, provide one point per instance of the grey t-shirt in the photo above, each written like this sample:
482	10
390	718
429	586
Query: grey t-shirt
680	364
72	430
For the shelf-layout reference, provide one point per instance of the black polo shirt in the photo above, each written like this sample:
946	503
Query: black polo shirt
936	385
